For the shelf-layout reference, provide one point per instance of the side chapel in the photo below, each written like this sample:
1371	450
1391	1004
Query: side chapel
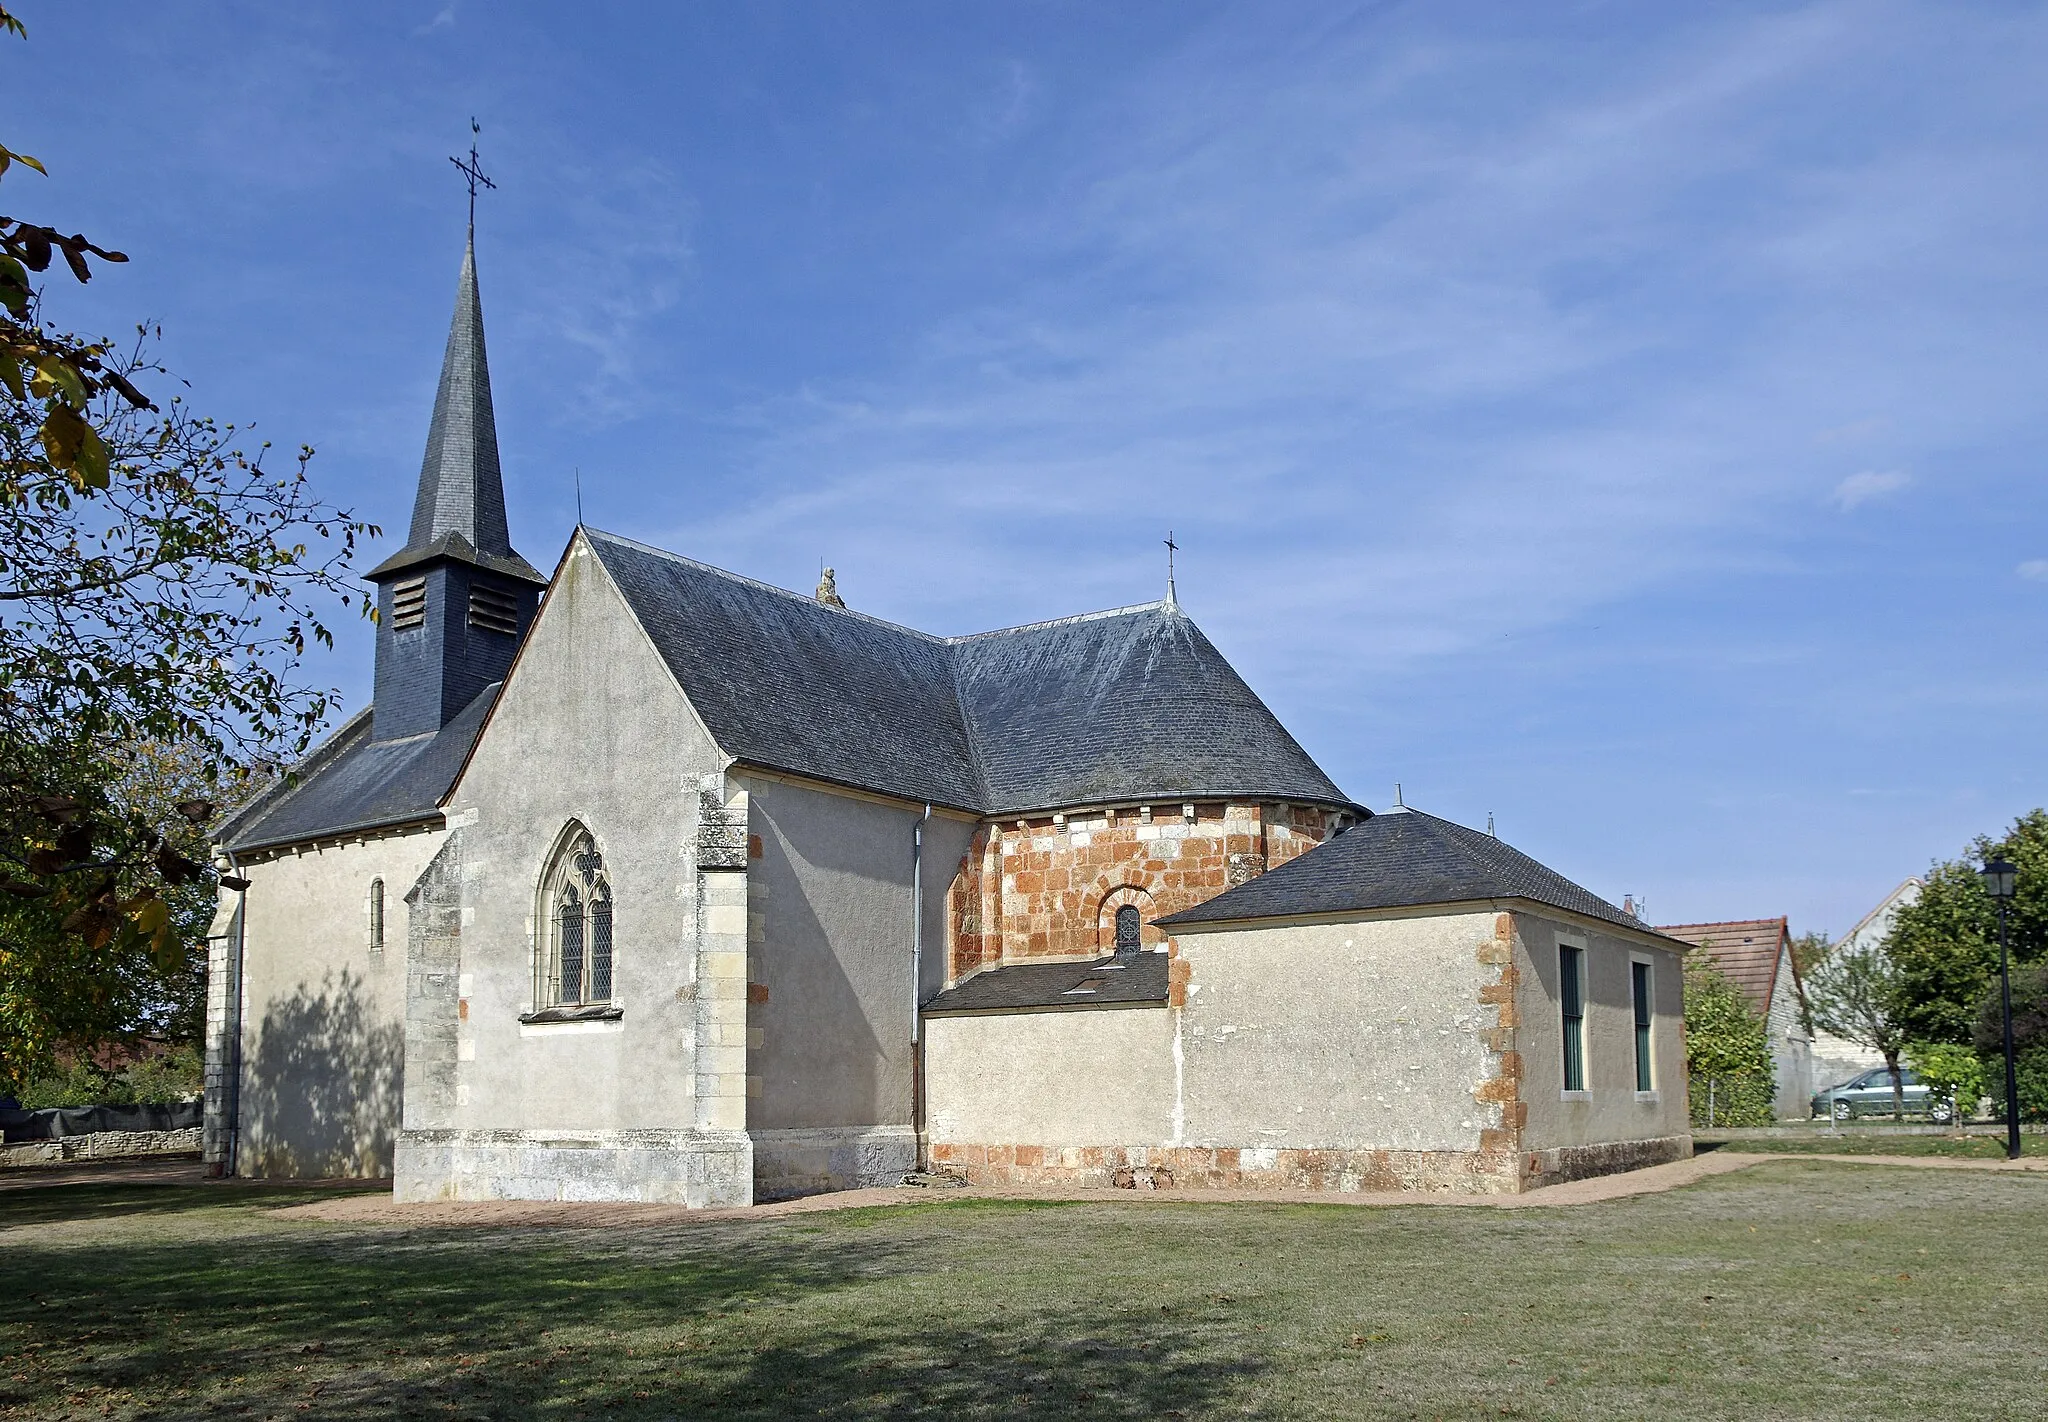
647	881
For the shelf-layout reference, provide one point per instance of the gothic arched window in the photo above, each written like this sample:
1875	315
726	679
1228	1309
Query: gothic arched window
574	965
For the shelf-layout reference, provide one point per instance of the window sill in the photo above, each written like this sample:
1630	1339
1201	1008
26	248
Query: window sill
1651	1098
1575	1096
596	1012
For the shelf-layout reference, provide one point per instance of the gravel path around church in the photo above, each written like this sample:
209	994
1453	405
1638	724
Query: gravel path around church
380	1209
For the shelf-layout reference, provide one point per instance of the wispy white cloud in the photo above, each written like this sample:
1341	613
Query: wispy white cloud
1860	488
2034	570
1398	352
443	19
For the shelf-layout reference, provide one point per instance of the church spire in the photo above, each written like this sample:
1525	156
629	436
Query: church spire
459	511
454	602
461	489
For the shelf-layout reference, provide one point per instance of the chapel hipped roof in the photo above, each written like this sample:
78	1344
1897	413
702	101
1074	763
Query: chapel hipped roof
1401	859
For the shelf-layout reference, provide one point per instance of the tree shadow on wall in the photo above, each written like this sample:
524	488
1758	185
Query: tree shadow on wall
321	1091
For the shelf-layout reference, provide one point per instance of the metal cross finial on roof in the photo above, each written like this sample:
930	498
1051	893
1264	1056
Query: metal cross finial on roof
473	172
1171	549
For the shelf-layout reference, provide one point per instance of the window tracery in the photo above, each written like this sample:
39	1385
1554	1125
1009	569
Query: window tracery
575	962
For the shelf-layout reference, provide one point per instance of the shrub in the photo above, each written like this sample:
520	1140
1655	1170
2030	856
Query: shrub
169	1076
1727	1050
1952	1073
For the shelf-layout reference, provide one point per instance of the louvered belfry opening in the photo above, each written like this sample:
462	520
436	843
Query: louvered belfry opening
408	604
493	608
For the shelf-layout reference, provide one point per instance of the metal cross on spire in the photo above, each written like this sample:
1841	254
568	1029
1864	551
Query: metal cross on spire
473	172
1171	549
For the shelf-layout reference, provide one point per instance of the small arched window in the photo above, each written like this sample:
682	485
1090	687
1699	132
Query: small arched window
1129	929
376	915
574	967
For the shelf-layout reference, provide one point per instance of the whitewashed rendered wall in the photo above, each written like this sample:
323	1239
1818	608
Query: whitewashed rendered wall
830	925
1610	1110
1095	1077
590	727
1365	1035
1791	1046
322	1011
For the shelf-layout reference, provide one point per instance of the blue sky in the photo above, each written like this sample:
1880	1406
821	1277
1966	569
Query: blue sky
1626	420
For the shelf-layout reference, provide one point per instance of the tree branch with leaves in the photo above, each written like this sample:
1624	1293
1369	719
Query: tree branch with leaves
160	582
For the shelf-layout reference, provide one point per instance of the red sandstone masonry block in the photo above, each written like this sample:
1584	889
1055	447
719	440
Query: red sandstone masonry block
1030	1157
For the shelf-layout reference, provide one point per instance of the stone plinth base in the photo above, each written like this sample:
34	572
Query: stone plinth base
697	1168
1554	1167
1487	1172
1473	1172
814	1160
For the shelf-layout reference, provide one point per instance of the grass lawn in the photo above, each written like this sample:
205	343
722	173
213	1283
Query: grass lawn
1798	1289
1874	1143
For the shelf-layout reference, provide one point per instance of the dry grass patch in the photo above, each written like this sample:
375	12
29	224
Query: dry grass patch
1795	1290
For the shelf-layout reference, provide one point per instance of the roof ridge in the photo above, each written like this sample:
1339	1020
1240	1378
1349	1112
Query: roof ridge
731	576
1896	890
1125	611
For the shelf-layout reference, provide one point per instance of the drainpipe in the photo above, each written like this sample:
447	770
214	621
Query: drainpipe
231	1029
917	986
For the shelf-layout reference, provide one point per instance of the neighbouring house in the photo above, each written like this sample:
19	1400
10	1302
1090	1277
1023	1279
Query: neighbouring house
1836	1059
647	881
1756	955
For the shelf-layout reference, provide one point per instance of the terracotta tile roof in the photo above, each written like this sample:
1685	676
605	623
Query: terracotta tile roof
1748	950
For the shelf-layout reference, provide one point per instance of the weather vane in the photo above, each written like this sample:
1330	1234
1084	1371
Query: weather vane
473	172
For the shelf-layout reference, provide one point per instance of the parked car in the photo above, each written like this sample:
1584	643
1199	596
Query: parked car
1870	1094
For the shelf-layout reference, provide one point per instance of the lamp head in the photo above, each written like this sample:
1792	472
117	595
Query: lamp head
2001	880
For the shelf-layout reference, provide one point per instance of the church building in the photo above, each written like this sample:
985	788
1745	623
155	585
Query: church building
644	880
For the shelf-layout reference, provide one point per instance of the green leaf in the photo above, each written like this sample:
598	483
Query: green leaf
93	459
58	376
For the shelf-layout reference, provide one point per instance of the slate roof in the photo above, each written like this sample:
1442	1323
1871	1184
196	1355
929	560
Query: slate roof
1113	706
1098	708
1746	950
353	783
1027	987
1400	859
459	511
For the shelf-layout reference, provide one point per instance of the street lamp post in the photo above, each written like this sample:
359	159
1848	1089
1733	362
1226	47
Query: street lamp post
2000	881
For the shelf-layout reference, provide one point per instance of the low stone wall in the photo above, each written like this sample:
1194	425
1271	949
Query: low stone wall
100	1145
696	1168
1222	1168
789	1163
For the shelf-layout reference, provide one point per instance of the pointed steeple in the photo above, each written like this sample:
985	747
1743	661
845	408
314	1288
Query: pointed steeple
455	600
460	508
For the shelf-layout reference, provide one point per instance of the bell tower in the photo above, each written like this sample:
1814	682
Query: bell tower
454	602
